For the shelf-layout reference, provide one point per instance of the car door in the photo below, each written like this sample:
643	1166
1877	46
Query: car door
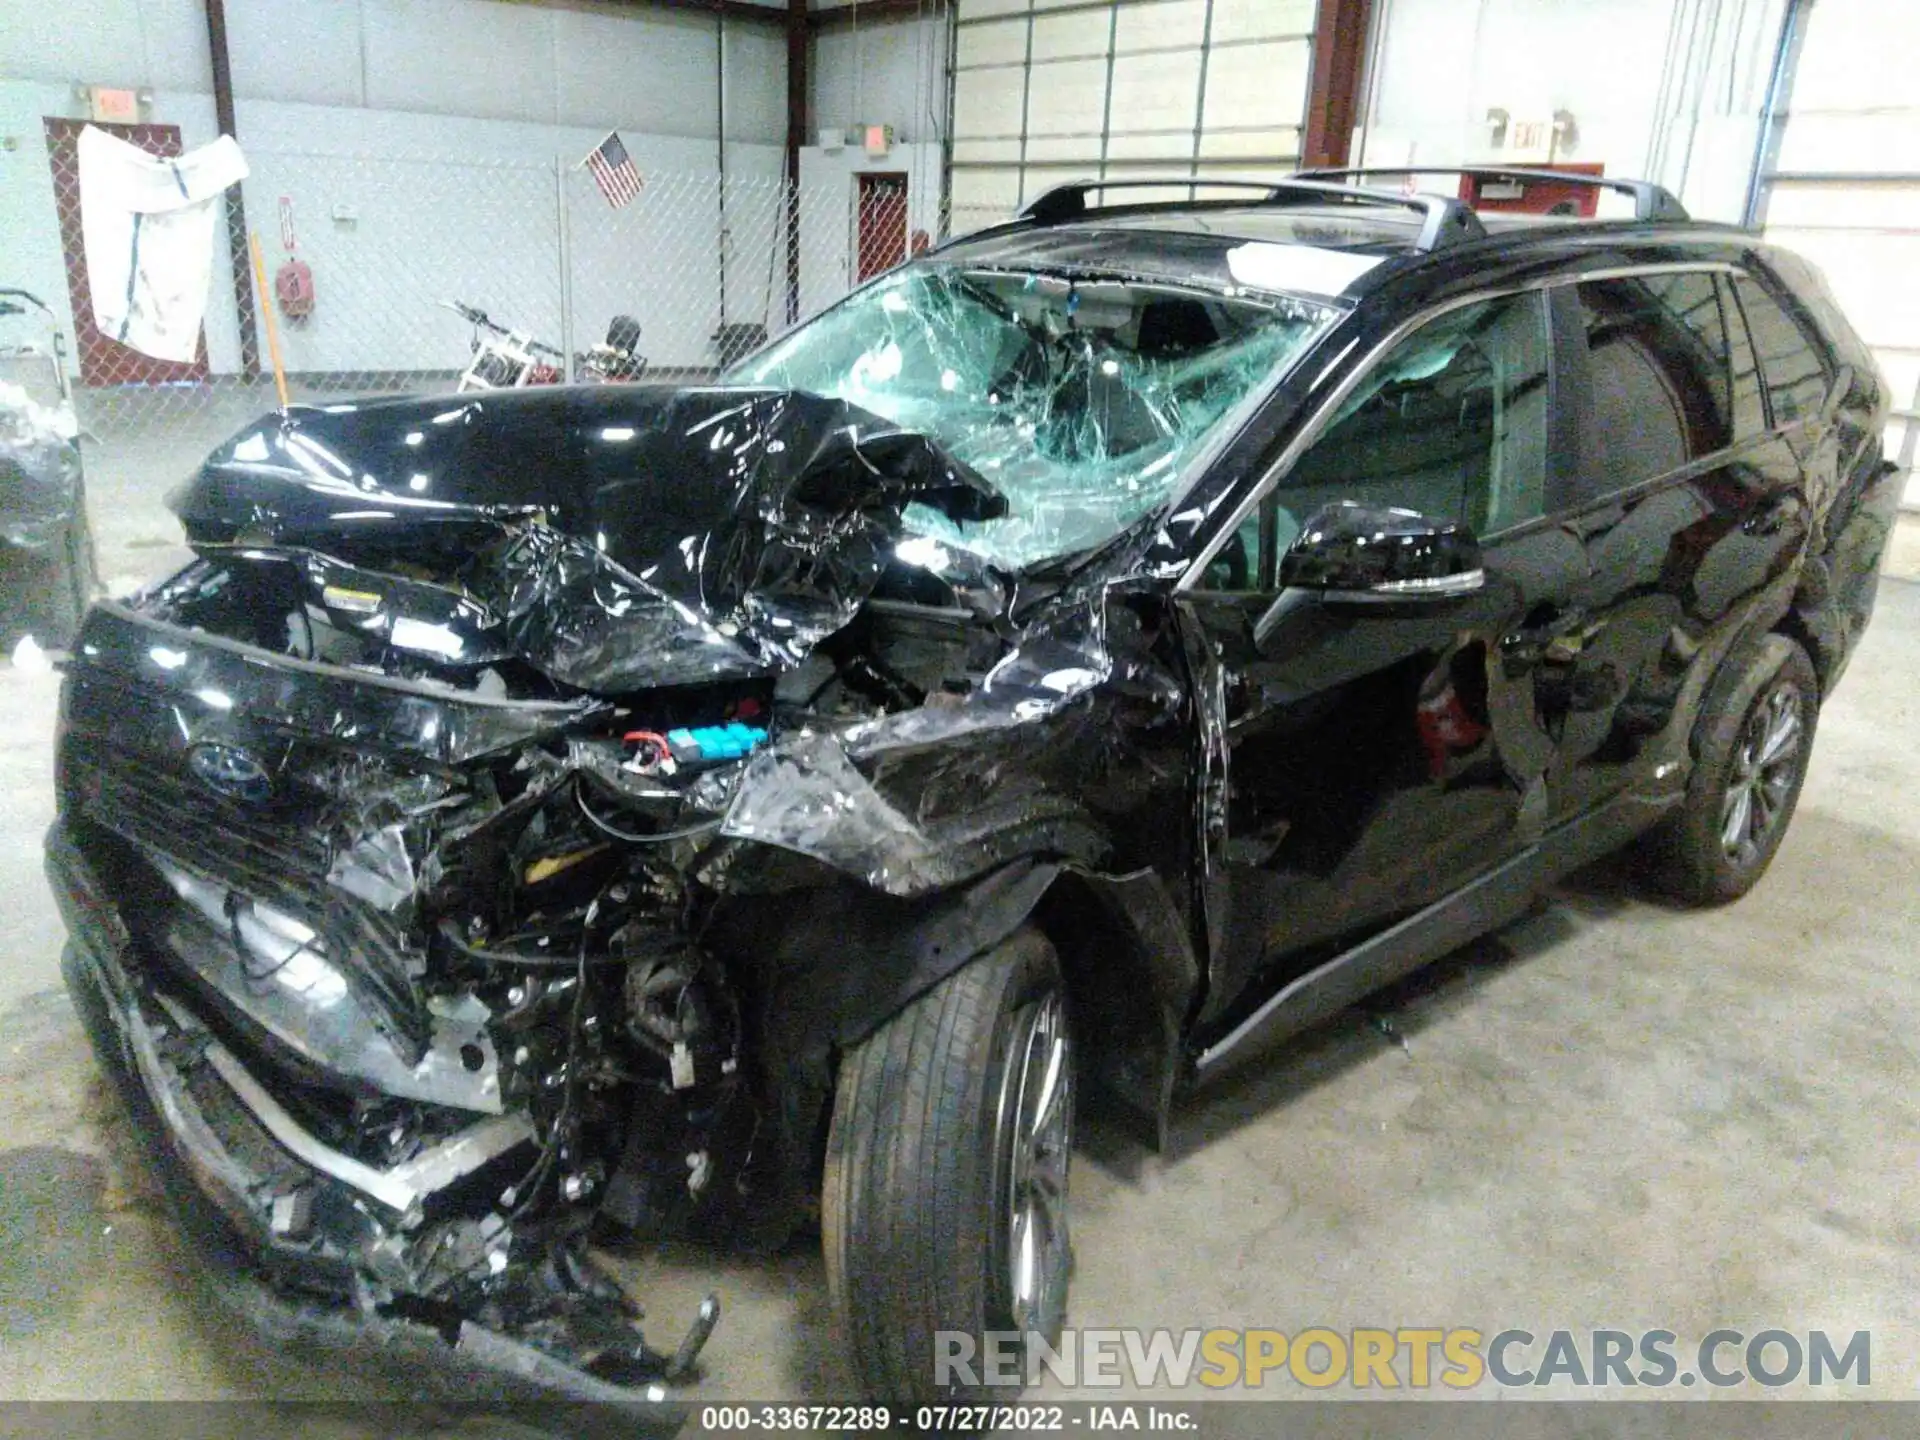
1370	758
1689	507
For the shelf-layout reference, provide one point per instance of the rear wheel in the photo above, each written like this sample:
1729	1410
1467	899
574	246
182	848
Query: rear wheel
1745	784
945	1196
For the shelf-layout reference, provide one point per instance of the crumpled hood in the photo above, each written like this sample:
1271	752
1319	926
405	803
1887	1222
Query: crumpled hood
615	537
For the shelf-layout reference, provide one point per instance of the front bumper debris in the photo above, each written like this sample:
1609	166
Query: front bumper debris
229	1157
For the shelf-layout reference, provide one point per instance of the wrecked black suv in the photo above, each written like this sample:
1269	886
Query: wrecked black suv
1086	655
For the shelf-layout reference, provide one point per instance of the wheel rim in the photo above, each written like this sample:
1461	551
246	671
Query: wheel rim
1036	1123
1765	766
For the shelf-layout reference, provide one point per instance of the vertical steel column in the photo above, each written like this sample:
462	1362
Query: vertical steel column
1766	145
1200	96
237	250
1339	49
946	132
564	226
1106	105
720	87
1026	103
797	42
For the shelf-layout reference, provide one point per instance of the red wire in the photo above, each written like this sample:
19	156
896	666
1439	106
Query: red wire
649	737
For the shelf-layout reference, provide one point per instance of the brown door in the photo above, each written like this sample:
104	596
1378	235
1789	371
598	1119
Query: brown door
1537	197
883	223
104	361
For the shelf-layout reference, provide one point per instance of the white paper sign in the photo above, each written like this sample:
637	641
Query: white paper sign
1296	269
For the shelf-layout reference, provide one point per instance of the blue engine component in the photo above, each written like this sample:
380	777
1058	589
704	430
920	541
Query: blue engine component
713	744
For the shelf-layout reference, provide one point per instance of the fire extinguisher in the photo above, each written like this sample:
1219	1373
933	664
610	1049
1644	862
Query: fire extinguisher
293	281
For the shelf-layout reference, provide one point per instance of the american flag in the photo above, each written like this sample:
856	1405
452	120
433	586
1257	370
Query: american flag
614	172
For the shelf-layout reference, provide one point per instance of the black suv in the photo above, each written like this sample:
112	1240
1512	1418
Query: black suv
1085	656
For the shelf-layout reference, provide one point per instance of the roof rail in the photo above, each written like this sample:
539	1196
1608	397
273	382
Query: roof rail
1650	201
1446	221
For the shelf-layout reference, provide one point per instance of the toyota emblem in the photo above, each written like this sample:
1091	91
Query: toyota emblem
230	771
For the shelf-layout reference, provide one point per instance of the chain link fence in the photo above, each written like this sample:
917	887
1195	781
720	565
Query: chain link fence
705	267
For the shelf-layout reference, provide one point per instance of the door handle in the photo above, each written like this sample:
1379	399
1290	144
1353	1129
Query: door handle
1553	638
1775	517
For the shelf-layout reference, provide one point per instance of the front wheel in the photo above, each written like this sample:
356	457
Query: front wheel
944	1205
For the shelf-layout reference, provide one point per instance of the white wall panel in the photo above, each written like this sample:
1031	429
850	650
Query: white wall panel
1069	97
1000	42
174	36
1853	112
598	57
756	85
986	152
1082	152
987	188
1875	139
1829	207
451	141
1858	55
1161	25
1078	33
889	73
93	40
1261	19
308	52
1156	92
1102	89
1256	86
990	103
1175	148
1278	142
460	57
586	63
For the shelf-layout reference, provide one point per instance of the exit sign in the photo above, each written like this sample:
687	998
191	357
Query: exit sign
113	107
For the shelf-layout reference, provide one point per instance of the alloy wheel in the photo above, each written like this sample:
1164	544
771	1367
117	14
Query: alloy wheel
1035	1125
1766	764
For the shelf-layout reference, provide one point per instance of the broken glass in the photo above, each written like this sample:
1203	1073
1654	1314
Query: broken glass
1079	398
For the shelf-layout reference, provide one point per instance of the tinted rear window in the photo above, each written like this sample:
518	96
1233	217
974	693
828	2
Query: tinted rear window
1661	378
1792	370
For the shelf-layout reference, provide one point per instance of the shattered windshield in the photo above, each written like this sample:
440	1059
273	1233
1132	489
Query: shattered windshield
1079	398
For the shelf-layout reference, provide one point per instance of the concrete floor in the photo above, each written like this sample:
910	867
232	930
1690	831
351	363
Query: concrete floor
1609	1114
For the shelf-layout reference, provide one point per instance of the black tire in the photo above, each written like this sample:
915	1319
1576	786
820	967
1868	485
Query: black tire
918	1202
1700	853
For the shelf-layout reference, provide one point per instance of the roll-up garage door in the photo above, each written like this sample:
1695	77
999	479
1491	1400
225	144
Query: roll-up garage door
1053	90
1840	183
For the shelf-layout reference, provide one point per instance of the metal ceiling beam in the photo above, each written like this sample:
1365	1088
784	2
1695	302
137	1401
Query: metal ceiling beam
732	9
863	11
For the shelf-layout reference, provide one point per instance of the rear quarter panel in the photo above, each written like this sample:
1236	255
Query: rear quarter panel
1842	570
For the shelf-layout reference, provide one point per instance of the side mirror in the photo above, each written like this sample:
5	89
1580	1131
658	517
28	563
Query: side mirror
1373	555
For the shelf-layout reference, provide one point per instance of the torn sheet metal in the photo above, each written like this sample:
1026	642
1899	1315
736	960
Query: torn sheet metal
217	686
429	699
613	537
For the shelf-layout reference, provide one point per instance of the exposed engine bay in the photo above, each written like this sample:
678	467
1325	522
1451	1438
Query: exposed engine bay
480	871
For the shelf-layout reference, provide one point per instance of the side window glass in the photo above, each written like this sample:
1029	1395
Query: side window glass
1795	377
1451	423
1662	383
1749	409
